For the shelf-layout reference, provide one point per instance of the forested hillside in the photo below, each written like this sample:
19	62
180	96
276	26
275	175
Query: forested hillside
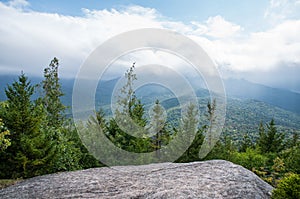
38	138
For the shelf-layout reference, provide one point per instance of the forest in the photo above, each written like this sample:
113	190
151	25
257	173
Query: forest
37	137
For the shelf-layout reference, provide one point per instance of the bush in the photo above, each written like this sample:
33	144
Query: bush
288	188
249	159
291	158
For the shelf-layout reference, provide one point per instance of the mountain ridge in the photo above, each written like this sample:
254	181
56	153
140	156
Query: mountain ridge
244	111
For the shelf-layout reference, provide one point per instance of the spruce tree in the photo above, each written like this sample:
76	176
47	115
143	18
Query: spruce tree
129	108
245	143
98	120
211	108
158	128
23	118
21	113
270	141
189	127
52	93
68	146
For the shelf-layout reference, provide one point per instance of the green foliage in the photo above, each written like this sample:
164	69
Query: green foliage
34	155
192	153
8	182
288	188
224	149
4	141
270	141
245	143
65	154
21	115
190	135
98	119
52	93
211	108
158	128
291	158
42	141
129	108
23	119
36	148
250	159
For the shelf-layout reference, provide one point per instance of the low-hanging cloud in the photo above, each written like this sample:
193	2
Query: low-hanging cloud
29	39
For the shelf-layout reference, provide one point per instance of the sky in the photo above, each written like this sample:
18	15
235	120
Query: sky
258	40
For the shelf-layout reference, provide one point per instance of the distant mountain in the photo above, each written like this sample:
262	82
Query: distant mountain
237	88
247	103
6	80
285	99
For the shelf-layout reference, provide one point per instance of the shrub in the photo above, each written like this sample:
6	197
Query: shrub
288	188
250	159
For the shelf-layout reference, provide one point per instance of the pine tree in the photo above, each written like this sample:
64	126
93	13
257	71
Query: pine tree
52	93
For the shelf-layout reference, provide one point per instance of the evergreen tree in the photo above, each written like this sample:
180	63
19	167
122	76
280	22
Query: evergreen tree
23	119
20	114
291	158
157	127
245	143
129	104
210	138
190	135
189	126
130	108
211	108
270	141
290	143
52	93
224	149
99	120
66	153
36	147
70	154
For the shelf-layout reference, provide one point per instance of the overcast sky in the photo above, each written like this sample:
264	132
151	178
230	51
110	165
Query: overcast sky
258	40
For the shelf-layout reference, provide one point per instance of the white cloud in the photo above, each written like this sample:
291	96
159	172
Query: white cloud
217	27
263	51
19	4
29	39
280	10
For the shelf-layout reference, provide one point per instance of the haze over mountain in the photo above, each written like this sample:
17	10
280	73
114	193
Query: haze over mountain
236	88
245	102
261	47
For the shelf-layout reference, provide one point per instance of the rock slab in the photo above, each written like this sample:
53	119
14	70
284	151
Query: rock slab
208	179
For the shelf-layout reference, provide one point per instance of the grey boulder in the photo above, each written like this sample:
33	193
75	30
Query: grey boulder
207	179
